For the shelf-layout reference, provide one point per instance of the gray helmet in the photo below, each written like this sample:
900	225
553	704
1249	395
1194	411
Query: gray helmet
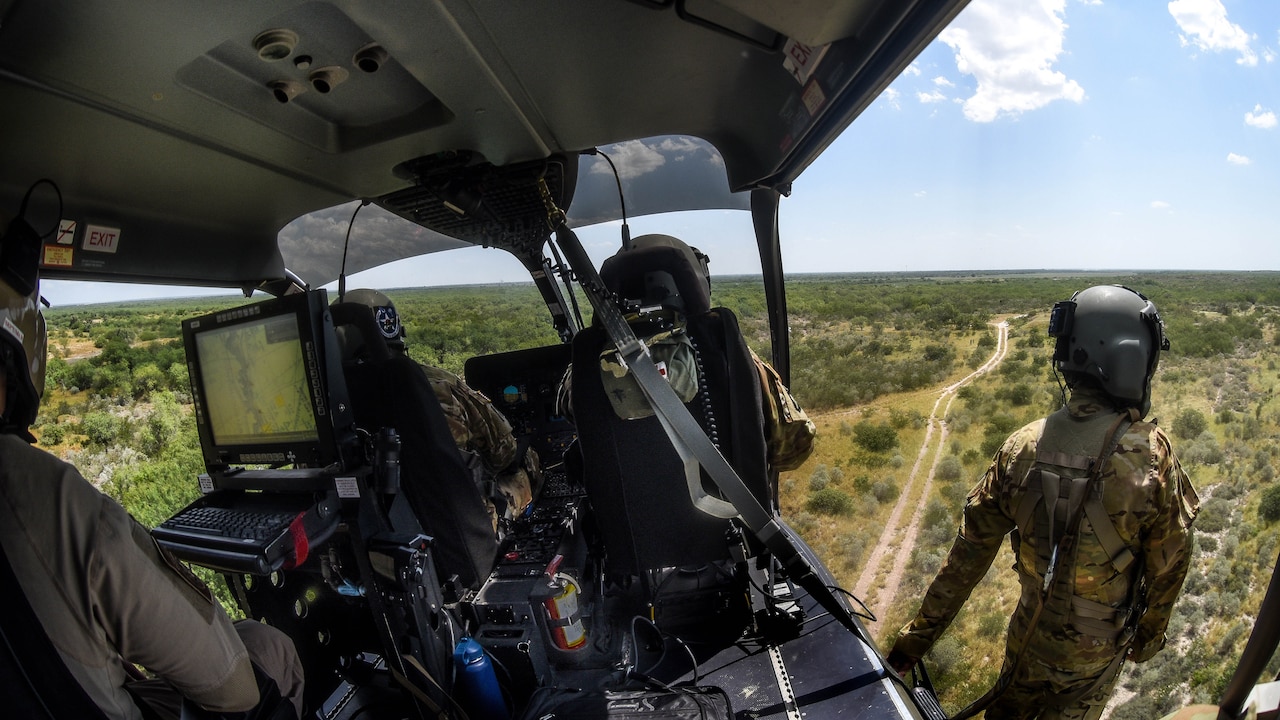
384	313
23	340
660	270
1113	335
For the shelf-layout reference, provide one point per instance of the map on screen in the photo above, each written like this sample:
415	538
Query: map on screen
255	382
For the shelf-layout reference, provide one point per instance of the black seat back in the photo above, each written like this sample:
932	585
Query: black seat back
391	391
36	682
633	475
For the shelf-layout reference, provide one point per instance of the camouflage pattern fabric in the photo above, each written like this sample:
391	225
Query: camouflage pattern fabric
482	432
1151	503
789	433
672	353
1035	685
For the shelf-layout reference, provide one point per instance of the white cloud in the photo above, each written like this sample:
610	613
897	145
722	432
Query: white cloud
1009	47
933	97
891	98
912	69
1204	24
1269	55
1235	159
943	82
633	158
1159	205
921	193
1259	118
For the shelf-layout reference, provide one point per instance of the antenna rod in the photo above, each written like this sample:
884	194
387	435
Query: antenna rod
342	273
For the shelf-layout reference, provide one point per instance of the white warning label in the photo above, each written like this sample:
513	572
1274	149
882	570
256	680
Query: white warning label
98	238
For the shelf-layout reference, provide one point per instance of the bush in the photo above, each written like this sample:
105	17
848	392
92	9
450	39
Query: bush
875	438
1189	424
1020	395
949	469
52	433
101	428
885	491
819	478
1269	508
1214	515
830	501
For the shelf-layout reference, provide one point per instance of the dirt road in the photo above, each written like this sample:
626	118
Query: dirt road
897	541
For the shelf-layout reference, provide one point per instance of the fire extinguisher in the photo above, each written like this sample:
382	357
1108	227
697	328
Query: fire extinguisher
563	619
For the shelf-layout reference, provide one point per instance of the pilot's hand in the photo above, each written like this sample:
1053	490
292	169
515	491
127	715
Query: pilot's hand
901	662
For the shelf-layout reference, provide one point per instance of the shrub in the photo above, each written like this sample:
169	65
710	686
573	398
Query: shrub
830	501
1269	508
875	438
885	490
949	469
1214	515
101	428
819	478
991	624
1020	395
1189	424
52	433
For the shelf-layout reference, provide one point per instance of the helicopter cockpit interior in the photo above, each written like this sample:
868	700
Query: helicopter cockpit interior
652	574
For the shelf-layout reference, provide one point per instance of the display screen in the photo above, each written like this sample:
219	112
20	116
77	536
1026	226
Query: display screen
256	382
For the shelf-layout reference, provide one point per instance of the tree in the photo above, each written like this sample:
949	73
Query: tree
875	438
1269	507
1189	424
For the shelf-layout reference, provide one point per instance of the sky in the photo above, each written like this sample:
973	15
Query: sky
1055	134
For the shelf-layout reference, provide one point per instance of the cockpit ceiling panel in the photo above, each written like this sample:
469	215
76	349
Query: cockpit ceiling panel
199	130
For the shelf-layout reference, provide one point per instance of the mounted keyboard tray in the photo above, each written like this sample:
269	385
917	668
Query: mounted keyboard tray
249	532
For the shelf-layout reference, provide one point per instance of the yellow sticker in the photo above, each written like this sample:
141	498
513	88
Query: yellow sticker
57	256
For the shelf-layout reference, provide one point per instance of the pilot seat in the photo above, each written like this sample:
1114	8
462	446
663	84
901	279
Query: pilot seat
636	480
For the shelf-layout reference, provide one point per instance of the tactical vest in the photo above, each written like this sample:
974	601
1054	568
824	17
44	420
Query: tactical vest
1054	489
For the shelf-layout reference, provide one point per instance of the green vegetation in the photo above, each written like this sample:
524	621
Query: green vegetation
870	355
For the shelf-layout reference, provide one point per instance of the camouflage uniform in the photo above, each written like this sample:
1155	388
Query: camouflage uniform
1151	504
483	433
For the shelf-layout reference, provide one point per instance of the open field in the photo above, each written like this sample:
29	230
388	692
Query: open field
888	367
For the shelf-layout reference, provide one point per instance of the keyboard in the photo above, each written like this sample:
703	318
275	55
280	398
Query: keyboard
230	522
248	532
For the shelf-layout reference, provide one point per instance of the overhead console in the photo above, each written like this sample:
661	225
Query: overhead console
462	195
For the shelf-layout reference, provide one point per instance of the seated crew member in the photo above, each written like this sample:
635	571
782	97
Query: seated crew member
105	593
508	479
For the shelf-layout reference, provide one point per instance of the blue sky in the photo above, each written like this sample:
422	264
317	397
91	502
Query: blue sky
1095	134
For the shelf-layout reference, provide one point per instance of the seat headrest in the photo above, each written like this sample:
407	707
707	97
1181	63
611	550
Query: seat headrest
660	270
359	340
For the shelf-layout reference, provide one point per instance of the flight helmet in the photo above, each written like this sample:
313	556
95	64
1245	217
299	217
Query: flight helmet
23	337
1114	335
384	314
660	270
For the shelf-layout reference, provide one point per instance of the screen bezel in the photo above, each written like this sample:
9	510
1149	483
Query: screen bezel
330	410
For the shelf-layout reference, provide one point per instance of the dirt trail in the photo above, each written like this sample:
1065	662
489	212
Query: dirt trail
901	541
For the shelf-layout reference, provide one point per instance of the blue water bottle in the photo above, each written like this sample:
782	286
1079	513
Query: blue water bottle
475	683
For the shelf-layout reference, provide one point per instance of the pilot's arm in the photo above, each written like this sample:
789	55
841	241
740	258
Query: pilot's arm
160	616
987	519
1167	547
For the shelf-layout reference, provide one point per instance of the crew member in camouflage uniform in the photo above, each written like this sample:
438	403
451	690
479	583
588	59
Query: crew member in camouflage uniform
505	476
1112	584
